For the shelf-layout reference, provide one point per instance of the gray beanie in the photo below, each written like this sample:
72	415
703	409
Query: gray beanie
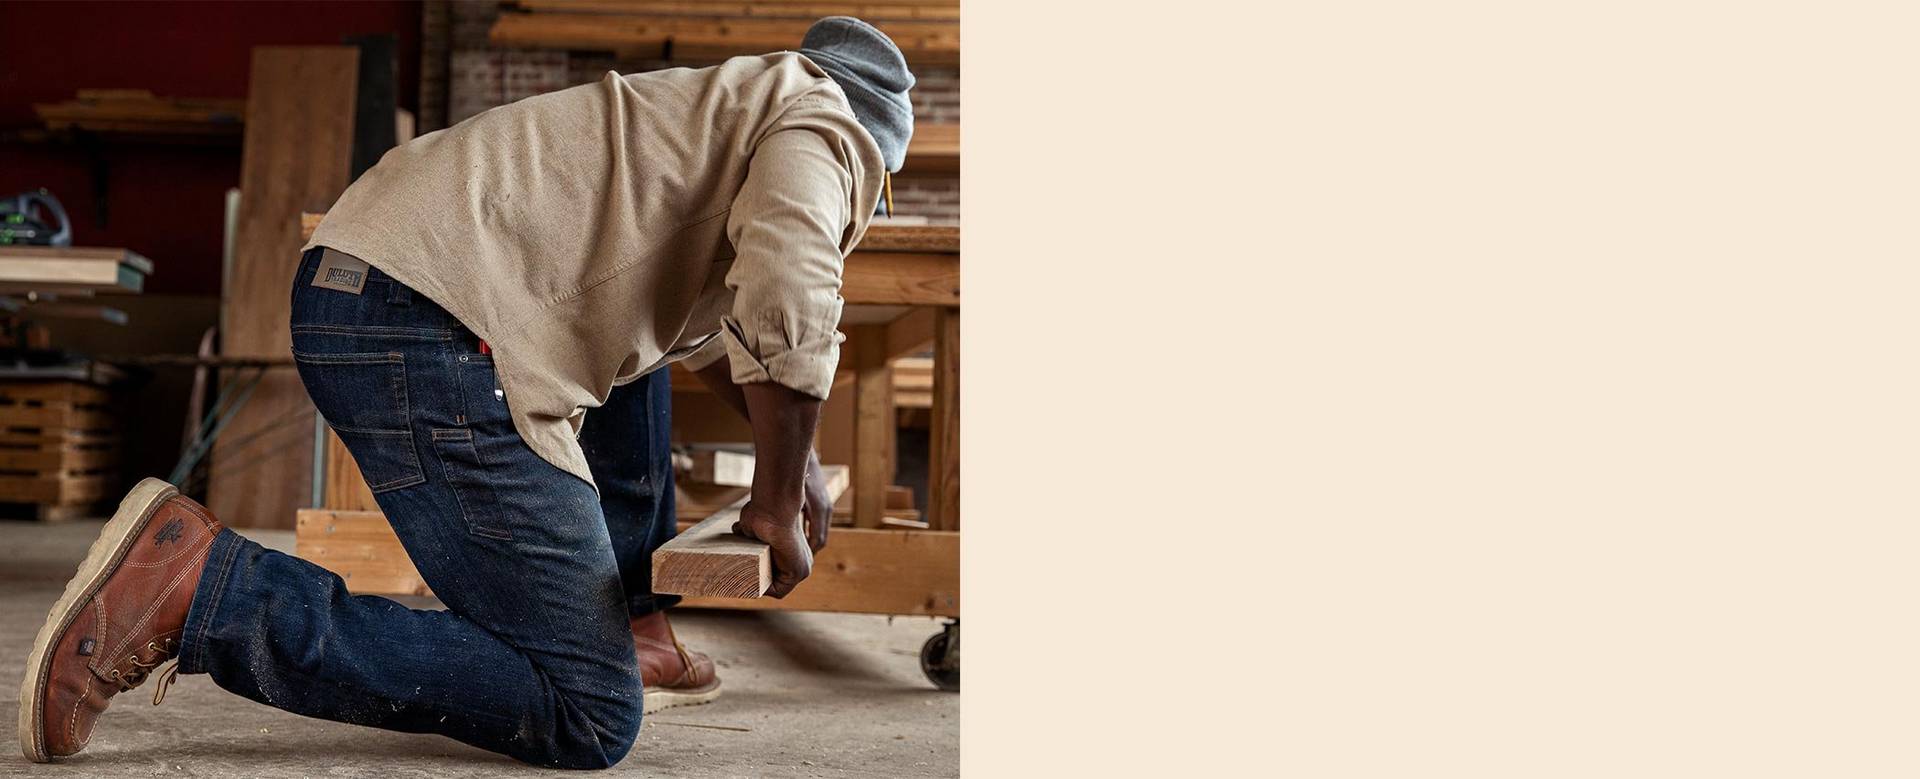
873	74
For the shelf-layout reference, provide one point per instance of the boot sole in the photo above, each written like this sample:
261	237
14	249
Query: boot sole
662	698
102	558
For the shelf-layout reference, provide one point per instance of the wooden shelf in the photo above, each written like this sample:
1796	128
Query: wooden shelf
78	270
934	150
658	36
911	238
139	112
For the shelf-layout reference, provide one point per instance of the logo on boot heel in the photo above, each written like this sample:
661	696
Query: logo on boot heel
169	532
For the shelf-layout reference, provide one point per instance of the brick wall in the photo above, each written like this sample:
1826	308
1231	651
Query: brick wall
937	199
936	95
436	19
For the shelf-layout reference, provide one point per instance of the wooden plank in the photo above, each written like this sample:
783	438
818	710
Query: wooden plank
934	150
56	416
299	138
873	428
943	466
911	238
902	278
57	460
54	437
361	548
105	105
912	333
131	259
913	374
100	275
59	391
61	489
721	467
708	559
833	438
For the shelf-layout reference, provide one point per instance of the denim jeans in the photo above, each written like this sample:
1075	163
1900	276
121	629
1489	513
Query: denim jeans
532	657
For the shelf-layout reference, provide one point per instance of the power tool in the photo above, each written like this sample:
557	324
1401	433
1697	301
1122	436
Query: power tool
22	223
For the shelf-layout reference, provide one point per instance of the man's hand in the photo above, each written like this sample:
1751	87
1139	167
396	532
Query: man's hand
792	559
819	507
783	420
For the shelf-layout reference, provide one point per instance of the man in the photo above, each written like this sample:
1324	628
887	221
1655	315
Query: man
461	306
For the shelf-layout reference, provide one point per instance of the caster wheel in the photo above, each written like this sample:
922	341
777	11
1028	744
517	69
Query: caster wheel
940	658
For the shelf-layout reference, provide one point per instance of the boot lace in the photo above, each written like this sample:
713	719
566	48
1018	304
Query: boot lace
133	671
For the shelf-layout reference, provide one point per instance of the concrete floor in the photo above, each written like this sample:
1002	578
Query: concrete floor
805	695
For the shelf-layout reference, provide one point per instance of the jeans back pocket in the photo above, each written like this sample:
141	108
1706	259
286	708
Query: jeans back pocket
363	397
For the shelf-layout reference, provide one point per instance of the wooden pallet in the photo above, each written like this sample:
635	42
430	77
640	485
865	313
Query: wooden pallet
58	450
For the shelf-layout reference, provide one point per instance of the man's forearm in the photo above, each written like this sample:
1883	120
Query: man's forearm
783	421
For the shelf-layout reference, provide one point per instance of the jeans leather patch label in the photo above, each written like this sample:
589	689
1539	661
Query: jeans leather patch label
341	272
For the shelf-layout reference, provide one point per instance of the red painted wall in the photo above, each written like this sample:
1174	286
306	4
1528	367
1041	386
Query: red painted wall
164	201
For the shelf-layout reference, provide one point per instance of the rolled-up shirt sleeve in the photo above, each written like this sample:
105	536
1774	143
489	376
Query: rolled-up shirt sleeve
786	227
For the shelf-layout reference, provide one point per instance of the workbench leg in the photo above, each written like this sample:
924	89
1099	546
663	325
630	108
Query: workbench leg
943	467
873	425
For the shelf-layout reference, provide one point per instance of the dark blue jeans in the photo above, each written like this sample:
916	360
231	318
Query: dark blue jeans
532	657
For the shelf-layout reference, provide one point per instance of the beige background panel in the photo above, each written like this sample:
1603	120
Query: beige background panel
1401	389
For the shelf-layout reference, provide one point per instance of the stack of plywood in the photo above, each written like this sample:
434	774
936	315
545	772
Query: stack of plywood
58	448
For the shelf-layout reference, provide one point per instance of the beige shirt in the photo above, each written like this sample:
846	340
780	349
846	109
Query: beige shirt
595	234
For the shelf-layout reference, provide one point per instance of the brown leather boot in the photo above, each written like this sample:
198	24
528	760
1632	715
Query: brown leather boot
671	674
120	617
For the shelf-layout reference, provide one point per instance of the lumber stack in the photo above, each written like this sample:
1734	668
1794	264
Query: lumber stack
138	111
927	31
58	448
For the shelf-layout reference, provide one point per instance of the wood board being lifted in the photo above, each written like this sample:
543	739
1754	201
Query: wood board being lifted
708	559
